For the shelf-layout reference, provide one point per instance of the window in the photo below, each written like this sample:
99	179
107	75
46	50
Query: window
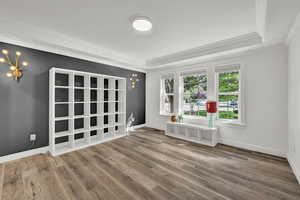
167	95
194	94
218	83
228	93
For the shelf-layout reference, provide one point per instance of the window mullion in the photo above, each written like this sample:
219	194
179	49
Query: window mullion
211	84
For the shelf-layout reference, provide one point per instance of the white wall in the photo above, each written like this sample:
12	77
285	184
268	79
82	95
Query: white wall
294	102
265	73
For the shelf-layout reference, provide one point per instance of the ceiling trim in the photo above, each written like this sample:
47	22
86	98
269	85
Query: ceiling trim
293	30
245	40
50	41
261	15
217	58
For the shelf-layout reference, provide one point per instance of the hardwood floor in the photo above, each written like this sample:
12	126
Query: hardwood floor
149	165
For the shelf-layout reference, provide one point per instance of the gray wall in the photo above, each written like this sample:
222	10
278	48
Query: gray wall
24	106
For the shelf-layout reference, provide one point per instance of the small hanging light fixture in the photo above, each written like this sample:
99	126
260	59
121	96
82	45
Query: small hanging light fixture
16	69
134	79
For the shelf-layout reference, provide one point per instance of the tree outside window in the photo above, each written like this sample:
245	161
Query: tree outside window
167	95
195	95
228	95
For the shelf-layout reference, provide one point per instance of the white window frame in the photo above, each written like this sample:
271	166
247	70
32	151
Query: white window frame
212	90
228	69
181	92
163	94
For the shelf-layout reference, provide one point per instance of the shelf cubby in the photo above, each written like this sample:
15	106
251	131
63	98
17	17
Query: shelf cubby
93	108
79	81
62	95
94	82
105	107
62	110
62	126
117	84
94	122
106	83
79	95
85	109
81	124
116	107
79	109
105	120
94	95
62	79
106	95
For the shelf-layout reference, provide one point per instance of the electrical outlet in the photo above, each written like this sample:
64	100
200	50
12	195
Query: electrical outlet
32	137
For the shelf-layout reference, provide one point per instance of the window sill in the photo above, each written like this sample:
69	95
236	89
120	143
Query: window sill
231	124
204	120
167	114
194	117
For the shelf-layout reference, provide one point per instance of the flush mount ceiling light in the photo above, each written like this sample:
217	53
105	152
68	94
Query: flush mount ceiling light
142	24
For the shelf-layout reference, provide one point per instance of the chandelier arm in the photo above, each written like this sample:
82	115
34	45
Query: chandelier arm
17	60
8	60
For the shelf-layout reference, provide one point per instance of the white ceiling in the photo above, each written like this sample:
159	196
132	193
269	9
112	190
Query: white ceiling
280	16
101	29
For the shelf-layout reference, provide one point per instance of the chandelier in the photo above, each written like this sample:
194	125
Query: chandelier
16	68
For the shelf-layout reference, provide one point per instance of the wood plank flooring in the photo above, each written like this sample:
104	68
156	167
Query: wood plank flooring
149	165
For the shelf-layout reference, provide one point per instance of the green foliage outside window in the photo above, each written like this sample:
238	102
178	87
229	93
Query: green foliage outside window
229	82
228	104
195	88
228	115
229	99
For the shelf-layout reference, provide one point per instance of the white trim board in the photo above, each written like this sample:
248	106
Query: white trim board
252	147
291	159
216	58
61	44
245	146
136	127
245	40
19	155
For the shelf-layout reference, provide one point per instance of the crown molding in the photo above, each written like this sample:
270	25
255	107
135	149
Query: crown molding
211	59
293	30
54	42
220	46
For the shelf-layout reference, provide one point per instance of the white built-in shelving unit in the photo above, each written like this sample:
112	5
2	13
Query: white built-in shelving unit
85	109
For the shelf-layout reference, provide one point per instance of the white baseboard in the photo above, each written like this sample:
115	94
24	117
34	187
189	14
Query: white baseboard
136	127
23	154
246	146
291	159
252	147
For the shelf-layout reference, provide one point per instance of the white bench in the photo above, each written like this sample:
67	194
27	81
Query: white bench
193	133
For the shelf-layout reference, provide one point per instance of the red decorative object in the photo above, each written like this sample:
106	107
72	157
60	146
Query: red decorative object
211	106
